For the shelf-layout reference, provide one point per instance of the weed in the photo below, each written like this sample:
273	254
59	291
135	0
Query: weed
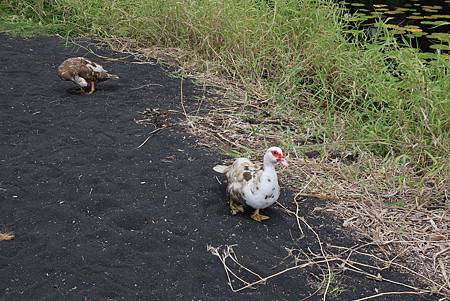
335	287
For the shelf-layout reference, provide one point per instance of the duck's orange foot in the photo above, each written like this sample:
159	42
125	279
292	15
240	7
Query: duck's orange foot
258	217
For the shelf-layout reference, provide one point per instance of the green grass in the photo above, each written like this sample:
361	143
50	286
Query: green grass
335	288
375	96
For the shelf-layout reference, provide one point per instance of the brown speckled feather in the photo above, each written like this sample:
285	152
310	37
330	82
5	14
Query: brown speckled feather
241	173
76	66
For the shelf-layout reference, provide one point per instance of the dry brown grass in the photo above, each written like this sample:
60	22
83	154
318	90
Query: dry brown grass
6	236
331	261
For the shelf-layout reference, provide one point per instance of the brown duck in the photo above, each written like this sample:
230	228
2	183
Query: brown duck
84	73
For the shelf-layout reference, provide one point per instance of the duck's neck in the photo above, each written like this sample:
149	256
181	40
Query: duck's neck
269	167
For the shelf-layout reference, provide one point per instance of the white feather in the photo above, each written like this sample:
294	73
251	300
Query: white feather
96	67
221	168
80	81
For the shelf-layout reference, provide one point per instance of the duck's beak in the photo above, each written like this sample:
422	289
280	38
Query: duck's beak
283	161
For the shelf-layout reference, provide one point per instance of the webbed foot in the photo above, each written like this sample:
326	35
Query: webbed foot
235	207
258	217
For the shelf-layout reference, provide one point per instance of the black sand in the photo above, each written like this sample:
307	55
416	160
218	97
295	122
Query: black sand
97	219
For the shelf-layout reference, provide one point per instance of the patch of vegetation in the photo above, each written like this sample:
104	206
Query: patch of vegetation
22	27
335	286
378	96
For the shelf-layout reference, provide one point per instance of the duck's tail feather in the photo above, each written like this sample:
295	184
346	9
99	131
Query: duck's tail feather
102	76
221	168
113	76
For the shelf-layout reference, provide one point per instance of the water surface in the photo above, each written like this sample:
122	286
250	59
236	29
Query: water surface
424	24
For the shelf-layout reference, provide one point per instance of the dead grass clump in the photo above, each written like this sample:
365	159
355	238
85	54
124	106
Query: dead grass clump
331	261
416	236
6	236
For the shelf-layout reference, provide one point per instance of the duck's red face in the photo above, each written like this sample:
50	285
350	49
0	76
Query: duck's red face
278	154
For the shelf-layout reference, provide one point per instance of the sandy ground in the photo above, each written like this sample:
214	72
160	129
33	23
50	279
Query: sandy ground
96	218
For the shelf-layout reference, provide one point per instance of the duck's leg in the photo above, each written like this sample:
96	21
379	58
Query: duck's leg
235	207
258	217
81	82
92	87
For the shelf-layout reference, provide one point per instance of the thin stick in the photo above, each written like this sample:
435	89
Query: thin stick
444	272
381	278
321	250
313	294
98	55
227	254
280	273
393	263
228	140
150	136
188	119
298	221
243	267
182	100
147	85
388	293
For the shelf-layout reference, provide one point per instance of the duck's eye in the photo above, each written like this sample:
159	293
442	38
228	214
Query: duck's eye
275	153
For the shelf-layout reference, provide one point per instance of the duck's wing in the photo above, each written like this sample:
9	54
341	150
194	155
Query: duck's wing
65	70
85	69
243	173
221	168
75	67
99	73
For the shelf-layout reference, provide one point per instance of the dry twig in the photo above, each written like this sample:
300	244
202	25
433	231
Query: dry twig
152	133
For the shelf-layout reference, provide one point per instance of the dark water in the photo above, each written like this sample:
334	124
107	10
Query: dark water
424	24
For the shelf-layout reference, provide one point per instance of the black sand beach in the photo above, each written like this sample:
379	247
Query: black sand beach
96	218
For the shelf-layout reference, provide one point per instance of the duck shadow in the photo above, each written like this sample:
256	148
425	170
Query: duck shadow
100	89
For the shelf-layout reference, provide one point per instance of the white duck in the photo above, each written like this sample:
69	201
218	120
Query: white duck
253	186
83	73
